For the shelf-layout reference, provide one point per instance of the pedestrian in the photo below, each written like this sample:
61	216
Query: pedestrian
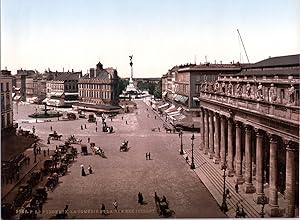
126	121
158	129
84	126
96	123
44	153
41	207
115	204
149	156
154	116
147	109
187	159
96	129
48	142
156	198
103	212
33	129
122	117
90	169
82	171
88	140
146	156
111	119
236	188
81	127
51	128
48	152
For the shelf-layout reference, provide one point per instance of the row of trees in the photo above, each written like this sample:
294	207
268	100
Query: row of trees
151	87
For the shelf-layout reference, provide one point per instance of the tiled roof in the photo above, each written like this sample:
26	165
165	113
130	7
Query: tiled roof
67	76
102	74
290	60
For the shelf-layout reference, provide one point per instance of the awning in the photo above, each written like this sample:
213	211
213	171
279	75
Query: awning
45	100
170	109
196	99
164	105
71	93
164	93
17	97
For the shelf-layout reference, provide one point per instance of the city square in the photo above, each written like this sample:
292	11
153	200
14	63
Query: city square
123	174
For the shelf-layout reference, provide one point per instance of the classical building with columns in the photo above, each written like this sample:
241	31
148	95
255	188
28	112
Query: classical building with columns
250	123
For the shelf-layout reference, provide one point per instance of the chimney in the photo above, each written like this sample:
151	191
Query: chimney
72	70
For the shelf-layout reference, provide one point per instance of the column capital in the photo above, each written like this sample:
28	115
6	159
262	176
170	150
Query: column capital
289	145
272	137
248	128
259	132
238	124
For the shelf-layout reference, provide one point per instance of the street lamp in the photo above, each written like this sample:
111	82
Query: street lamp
192	164
224	207
263	202
181	145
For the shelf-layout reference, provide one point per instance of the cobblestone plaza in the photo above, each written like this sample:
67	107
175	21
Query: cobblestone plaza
122	175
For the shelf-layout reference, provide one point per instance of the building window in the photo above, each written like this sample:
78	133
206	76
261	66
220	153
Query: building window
7	87
2	87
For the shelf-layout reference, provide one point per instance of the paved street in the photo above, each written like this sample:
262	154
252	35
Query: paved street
123	174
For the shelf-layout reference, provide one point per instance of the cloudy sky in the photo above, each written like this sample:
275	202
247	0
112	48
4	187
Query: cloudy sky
77	34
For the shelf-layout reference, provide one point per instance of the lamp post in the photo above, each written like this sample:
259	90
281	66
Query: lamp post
192	164
264	201
224	207
181	145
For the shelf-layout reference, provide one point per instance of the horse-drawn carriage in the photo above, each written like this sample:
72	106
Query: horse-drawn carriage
73	140
24	193
97	150
162	206
55	136
84	150
52	181
124	146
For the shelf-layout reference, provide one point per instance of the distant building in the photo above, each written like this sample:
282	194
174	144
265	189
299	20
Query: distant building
62	90
99	86
22	83
181	88
6	100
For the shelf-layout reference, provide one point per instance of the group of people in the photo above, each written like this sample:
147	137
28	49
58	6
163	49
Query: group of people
90	170
148	156
81	126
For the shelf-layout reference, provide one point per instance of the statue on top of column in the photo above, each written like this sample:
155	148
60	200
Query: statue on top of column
238	92
230	89
223	87
248	90
291	94
259	93
272	93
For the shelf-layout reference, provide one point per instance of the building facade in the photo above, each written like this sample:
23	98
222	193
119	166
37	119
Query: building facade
63	89
99	86
22	83
250	123
181	87
6	100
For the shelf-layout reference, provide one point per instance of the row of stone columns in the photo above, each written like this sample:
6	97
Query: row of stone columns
213	143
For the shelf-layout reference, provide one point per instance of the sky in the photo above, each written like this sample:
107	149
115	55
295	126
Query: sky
77	34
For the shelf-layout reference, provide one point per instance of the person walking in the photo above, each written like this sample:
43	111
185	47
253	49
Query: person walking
51	128
236	187
81	127
90	169
146	156
82	171
126	122
44	153
115	204
89	140
103	212
96	128
84	126
149	158
48	152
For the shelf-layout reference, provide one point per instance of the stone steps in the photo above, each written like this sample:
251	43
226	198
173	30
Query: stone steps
213	180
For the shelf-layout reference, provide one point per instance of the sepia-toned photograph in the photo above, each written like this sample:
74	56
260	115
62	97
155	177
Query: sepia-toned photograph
147	109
